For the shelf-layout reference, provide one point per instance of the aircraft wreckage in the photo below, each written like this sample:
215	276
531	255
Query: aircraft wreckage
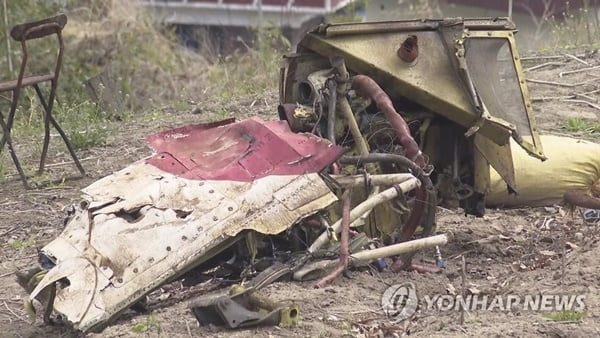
379	122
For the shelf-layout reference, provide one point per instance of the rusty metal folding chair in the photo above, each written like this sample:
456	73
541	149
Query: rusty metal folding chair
22	33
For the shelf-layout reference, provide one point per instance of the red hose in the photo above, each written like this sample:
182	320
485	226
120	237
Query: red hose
367	87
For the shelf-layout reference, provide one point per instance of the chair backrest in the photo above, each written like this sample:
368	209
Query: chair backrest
34	30
38	29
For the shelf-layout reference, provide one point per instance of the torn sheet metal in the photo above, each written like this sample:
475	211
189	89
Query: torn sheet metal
240	151
142	226
138	228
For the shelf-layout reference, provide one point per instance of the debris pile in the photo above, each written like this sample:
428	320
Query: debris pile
375	131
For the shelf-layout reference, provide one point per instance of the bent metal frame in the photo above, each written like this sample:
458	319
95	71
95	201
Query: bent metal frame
22	33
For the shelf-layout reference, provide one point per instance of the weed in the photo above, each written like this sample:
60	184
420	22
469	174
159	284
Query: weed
575	28
579	125
18	244
41	180
84	122
565	316
90	137
153	115
151	323
181	105
253	71
3	169
349	13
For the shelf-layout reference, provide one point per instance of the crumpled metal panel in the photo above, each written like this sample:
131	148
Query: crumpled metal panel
240	151
163	215
141	226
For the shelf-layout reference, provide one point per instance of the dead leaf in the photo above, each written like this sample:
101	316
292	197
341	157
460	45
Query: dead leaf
571	245
164	296
548	253
474	290
450	289
518	267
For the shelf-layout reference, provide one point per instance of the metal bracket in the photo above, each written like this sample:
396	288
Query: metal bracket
244	309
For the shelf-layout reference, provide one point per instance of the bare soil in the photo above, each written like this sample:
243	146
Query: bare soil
518	251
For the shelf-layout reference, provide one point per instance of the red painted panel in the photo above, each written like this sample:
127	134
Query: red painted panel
239	2
309	3
335	3
240	151
275	2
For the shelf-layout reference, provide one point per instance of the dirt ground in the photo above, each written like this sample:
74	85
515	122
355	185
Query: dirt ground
519	251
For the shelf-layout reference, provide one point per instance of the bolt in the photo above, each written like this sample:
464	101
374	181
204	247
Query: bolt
409	49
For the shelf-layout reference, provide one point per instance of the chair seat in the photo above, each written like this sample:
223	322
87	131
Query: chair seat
27	81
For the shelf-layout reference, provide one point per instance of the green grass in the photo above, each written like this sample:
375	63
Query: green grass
565	316
39	180
252	71
3	168
88	138
81	119
574	29
150	324
578	125
18	244
181	106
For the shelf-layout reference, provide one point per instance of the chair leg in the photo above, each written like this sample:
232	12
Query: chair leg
46	130
6	138
68	144
11	118
49	118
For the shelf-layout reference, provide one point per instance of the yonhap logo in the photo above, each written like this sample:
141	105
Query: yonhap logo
505	303
400	301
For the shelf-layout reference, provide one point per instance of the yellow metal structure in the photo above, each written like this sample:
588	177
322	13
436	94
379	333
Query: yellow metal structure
460	80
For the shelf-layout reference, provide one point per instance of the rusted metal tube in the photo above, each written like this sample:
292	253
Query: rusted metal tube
344	252
332	87
581	199
344	106
367	87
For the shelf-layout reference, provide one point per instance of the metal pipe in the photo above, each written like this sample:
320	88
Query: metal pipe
366	206
390	158
332	87
425	196
344	251
366	256
344	105
376	180
581	199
